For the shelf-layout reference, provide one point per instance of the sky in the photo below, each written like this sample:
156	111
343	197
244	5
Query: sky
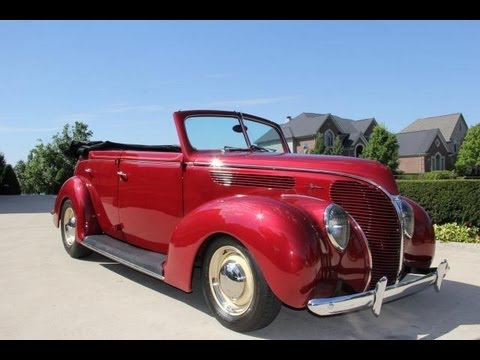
126	78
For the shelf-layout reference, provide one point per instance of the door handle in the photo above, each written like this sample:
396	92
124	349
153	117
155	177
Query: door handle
122	175
89	172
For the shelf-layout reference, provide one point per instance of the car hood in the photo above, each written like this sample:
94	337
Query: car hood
367	169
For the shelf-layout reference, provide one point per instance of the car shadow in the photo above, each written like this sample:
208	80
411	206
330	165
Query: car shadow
26	204
194	299
426	315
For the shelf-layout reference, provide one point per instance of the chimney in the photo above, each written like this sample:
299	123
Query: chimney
288	118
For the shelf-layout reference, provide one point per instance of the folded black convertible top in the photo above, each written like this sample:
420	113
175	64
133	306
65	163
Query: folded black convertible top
82	148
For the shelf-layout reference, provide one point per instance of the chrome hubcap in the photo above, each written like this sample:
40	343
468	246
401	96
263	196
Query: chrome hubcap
69	226
231	280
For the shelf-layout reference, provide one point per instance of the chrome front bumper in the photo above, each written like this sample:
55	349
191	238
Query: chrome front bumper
374	299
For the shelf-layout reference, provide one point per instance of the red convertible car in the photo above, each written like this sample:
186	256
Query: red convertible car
267	227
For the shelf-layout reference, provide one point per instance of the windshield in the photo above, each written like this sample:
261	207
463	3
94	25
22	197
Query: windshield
227	133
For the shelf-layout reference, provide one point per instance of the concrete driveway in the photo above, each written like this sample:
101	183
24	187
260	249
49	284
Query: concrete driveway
45	294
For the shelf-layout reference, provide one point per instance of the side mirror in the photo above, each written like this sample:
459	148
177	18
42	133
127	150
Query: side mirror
238	128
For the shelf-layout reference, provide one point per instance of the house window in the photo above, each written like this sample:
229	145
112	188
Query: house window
437	162
358	150
437	143
455	146
329	138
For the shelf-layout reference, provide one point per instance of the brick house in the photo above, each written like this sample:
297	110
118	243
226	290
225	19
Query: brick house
431	143
422	151
301	131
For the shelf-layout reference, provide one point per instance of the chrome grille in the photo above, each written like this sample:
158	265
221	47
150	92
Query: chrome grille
375	213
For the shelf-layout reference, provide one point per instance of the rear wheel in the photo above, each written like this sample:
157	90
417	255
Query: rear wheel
235	289
68	228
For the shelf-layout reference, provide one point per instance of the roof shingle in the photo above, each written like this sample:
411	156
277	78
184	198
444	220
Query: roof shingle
416	142
446	124
305	124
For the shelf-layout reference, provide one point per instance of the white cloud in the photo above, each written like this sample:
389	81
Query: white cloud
254	101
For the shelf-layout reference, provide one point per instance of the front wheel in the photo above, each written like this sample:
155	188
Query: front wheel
235	289
68	228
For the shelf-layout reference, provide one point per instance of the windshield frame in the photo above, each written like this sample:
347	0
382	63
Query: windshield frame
189	151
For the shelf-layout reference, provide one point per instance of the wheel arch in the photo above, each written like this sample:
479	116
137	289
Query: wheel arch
76	190
287	252
204	246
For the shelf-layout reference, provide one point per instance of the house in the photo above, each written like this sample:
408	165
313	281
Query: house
453	128
422	151
431	143
301	131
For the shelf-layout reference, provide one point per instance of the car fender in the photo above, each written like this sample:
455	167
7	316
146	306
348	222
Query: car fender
279	236
420	249
76	189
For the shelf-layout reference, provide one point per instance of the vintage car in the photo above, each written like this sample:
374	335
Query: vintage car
265	226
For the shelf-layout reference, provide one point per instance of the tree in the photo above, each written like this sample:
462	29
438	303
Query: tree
3	163
468	160
9	184
336	148
47	166
20	172
383	147
319	147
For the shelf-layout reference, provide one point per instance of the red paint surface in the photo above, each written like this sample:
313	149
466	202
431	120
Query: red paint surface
420	249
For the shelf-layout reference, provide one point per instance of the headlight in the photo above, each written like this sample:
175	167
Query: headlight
338	227
408	218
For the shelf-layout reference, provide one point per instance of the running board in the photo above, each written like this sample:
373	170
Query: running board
145	261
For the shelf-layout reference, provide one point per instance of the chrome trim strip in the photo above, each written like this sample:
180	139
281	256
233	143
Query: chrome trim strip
396	204
123	262
150	161
244	129
412	283
294	196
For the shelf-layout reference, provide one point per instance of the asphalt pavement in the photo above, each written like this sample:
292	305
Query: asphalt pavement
45	294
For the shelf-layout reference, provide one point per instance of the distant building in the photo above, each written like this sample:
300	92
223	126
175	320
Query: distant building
302	130
431	143
423	151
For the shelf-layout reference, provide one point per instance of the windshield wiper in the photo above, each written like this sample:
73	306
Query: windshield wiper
252	148
232	148
260	148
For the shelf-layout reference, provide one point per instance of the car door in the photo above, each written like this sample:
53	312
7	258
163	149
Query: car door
150	197
101	171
